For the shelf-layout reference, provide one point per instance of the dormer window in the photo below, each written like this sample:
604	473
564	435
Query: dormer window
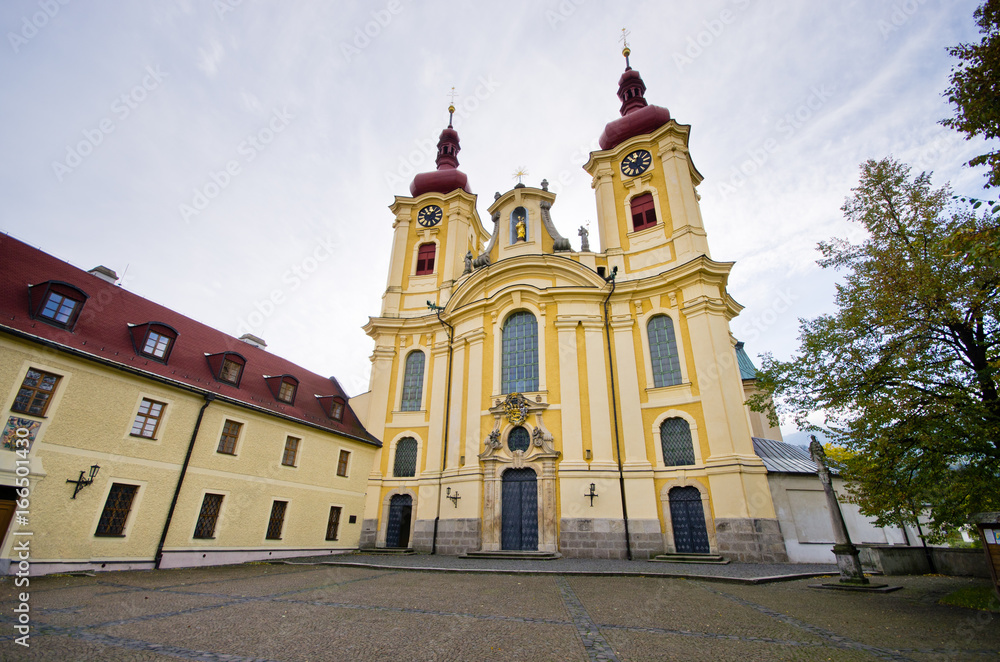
227	367
56	303
154	340
283	387
333	406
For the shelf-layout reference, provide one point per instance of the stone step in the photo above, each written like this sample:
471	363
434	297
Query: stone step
513	555
690	558
390	551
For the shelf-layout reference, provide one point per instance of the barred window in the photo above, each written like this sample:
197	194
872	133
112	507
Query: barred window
116	510
518	439
405	464
520	353
208	516
291	450
663	352
230	435
277	520
148	419
333	524
35	393
413	382
675	440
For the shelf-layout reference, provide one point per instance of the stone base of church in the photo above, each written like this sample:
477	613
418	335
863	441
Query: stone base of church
458	536
750	540
369	532
605	538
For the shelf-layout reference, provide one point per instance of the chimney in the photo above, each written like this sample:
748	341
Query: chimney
251	339
104	273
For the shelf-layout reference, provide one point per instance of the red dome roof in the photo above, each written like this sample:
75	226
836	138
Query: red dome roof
447	177
638	116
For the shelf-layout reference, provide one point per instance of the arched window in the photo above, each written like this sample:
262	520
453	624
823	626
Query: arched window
663	352
405	464
425	259
413	382
675	440
518	439
643	212
520	353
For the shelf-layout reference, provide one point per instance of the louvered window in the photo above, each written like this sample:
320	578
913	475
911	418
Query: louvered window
643	212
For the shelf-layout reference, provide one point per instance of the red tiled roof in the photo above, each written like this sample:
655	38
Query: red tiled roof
102	332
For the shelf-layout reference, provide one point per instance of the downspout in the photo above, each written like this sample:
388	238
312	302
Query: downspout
180	481
447	422
614	410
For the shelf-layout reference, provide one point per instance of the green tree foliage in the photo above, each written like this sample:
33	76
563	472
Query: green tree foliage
906	370
975	87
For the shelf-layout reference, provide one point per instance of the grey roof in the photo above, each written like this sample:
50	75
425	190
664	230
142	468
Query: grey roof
747	368
780	457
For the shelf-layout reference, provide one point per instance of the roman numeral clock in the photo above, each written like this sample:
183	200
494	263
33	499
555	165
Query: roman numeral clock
636	163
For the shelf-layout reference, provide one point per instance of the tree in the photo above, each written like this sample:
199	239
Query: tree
975	87
906	370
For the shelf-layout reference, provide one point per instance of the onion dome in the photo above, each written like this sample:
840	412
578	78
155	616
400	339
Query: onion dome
638	116
447	177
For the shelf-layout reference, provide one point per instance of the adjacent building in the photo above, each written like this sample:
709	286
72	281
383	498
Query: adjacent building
136	437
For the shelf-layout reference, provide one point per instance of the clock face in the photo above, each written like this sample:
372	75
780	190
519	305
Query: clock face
636	163
429	216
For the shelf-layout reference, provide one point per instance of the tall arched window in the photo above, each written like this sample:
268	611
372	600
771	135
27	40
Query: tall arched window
425	259
405	464
519	369
663	352
413	382
675	440
643	212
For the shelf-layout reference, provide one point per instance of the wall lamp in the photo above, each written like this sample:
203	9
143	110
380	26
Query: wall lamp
591	494
82	482
454	497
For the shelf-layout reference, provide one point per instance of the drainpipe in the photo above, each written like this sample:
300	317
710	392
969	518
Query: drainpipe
180	481
614	410
447	421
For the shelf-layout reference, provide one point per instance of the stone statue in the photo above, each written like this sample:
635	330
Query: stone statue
536	437
493	441
584	239
468	263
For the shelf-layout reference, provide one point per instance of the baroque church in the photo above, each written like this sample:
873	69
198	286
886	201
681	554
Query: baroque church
538	400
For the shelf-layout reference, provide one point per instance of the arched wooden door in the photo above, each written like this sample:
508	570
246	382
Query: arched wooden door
519	510
688	518
397	533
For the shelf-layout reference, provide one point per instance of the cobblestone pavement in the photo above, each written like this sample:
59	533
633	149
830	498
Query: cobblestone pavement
333	612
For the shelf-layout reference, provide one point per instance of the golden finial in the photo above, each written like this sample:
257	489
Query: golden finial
451	106
519	173
624	39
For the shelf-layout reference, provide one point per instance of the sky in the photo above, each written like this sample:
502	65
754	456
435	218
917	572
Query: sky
235	159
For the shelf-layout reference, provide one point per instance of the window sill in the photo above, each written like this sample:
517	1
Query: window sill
109	535
203	538
139	436
24	413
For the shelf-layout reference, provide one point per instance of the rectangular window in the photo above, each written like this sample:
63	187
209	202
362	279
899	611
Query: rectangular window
291	450
277	520
337	410
35	393
156	344
148	419
333	524
230	371
643	212
286	392
342	464
425	259
59	308
209	515
116	510
230	435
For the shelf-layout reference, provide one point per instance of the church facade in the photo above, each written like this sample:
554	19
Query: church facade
535	398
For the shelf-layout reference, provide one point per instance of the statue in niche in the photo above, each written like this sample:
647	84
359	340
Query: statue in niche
468	263
584	239
521	228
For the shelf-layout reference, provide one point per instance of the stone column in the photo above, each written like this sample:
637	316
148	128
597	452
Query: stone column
846	552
